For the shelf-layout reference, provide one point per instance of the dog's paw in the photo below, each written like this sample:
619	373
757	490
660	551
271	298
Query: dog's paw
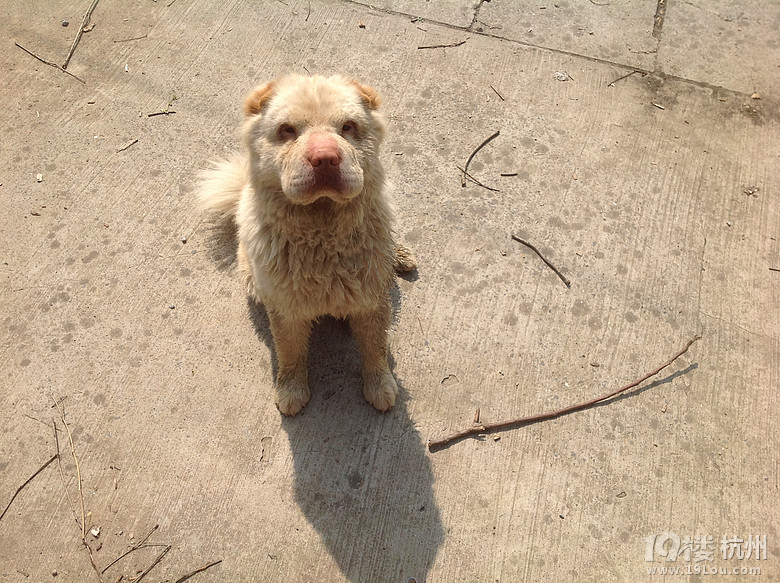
291	396
404	260
380	389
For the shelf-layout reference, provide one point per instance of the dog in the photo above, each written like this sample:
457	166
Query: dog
314	222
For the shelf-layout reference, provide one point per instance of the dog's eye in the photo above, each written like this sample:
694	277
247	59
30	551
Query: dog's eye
349	129
287	132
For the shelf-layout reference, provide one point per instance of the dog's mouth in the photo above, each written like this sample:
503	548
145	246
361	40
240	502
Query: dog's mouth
332	183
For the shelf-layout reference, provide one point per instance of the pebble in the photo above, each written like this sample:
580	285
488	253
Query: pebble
65	23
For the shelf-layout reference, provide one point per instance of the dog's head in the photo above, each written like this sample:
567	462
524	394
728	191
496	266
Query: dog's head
313	137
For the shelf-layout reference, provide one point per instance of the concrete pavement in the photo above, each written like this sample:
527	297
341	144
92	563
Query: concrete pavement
638	150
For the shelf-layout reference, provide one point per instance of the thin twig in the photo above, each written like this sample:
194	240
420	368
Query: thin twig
83	522
475	181
308	12
139	545
62	474
564	279
127	40
123	148
196	571
505	174
497	93
50	63
523	421
84	23
81	493
131	550
463	42
166	112
27	481
774	269
154	563
148	534
634	72
474	153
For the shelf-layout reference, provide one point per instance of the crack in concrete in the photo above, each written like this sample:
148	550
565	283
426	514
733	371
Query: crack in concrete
655	71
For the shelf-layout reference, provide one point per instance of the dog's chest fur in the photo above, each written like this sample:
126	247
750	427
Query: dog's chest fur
320	259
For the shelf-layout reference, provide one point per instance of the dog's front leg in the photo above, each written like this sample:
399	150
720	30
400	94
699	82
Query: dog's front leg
291	340
370	329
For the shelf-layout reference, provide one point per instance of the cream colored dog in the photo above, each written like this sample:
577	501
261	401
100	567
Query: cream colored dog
314	221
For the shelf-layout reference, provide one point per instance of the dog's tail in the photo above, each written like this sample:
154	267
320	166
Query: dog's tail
221	186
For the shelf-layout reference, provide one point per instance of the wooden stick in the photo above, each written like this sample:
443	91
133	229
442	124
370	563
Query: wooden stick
27	481
50	63
154	563
564	279
123	148
463	42
196	571
475	181
497	93
84	23
81	493
523	421
139	545
634	72
474	153
62	474
126	40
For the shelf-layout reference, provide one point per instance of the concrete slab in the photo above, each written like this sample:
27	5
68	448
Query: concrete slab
456	13
656	196
726	44
617	32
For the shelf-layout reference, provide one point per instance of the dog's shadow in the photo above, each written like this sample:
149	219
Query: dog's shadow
362	478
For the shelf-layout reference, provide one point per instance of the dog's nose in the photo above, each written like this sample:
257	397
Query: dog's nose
323	150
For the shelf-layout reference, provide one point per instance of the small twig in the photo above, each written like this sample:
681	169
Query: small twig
148	534
308	13
50	63
474	153
27	481
126	40
196	571
626	76
166	112
774	269
62	474
154	563
139	545
509	174
475	181
84	541
564	279
497	93
30	416
83	522
84	23
523	421
170	4
463	42
123	148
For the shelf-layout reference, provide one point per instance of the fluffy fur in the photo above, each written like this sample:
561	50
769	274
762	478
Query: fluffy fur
314	222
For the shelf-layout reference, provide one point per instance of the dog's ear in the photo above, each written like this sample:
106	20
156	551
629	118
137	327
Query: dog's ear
258	99
368	94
